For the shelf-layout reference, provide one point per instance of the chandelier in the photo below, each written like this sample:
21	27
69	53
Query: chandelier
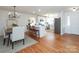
14	14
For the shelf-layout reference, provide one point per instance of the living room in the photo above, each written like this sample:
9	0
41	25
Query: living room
45	25
39	29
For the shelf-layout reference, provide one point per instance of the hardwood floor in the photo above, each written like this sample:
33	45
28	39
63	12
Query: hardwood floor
53	43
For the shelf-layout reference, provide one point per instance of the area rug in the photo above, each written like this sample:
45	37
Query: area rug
17	47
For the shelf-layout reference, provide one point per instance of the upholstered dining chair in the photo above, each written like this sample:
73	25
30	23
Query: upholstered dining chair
17	34
5	36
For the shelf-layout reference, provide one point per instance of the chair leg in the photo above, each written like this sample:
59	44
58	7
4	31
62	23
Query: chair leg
4	41
8	42
23	41
12	45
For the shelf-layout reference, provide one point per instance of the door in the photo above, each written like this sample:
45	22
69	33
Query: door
57	25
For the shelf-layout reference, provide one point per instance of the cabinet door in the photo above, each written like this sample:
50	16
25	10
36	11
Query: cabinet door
57	25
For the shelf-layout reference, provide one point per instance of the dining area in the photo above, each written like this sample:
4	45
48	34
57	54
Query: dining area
14	38
13	31
14	34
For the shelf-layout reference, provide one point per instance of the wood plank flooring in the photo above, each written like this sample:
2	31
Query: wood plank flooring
54	43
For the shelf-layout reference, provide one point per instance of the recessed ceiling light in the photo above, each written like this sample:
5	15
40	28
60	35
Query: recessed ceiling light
39	10
74	9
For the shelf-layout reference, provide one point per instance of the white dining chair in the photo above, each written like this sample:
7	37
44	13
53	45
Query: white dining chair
5	36
17	34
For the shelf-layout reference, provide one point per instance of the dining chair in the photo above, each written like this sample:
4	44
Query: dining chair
5	36
17	34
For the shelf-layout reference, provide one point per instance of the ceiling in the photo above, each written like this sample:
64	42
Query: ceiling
34	9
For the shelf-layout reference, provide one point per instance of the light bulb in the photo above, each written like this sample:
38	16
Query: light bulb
74	9
9	13
39	10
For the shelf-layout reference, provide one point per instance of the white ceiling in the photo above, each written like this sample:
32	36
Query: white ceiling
44	9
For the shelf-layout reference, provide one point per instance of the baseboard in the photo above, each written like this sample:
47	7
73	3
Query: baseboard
62	33
71	34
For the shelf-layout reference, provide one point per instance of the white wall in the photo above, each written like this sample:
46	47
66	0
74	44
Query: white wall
3	20
62	15
69	22
73	26
22	21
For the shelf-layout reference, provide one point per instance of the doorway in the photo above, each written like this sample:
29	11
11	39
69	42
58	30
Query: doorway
57	25
50	24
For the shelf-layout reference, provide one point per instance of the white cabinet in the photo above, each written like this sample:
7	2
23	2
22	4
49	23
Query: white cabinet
42	31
